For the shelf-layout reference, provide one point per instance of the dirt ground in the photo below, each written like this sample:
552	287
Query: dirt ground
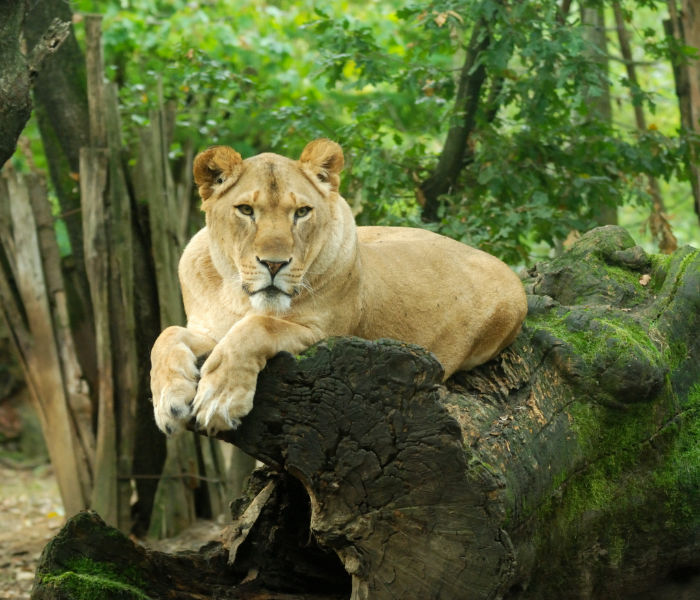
30	514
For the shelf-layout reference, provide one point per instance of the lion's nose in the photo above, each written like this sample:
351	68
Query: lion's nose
273	265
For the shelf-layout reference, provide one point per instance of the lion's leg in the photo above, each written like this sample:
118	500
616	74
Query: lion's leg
174	375
229	375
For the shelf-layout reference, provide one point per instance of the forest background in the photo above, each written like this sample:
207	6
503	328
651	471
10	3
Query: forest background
511	126
553	140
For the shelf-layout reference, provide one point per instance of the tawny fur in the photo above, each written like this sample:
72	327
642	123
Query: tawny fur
281	265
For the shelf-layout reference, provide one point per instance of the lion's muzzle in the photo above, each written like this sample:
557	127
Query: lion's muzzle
273	266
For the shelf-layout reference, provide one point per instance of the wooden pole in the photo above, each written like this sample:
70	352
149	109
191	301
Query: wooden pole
77	390
122	309
93	184
36	342
94	165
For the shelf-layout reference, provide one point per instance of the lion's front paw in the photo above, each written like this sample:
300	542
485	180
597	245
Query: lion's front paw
225	393
174	378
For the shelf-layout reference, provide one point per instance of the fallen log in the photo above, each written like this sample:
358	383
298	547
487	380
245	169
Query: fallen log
568	467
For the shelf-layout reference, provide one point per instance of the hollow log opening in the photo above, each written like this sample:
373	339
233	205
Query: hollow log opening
270	541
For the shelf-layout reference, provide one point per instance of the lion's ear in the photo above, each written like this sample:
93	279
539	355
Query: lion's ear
214	166
325	158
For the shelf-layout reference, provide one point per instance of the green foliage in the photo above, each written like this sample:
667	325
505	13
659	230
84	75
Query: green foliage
381	78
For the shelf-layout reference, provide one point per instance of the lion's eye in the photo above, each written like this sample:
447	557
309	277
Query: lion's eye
220	179
302	212
245	209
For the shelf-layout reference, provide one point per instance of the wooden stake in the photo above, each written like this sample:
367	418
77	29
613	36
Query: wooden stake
36	343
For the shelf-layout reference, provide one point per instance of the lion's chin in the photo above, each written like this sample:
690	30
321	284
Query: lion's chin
271	300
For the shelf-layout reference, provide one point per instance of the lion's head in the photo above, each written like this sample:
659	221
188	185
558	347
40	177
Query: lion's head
273	222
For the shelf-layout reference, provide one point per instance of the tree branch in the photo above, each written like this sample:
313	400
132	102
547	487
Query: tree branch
52	39
471	82
60	107
563	11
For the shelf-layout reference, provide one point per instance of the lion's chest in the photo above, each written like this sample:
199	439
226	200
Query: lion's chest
216	313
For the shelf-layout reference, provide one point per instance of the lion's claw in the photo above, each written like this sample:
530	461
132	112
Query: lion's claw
225	392
174	382
174	406
213	413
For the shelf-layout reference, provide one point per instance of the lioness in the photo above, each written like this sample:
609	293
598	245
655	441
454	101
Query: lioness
281	265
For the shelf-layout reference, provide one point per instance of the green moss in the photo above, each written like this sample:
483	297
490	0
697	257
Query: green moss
477	466
685	262
610	442
603	347
588	335
675	354
308	353
673	269
86	579
640	472
617	280
633	474
616	550
676	351
583	342
640	467
660	264
100	569
679	475
633	334
83	586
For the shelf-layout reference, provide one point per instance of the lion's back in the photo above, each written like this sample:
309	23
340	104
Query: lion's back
431	290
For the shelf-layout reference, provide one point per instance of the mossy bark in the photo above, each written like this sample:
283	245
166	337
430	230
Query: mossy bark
89	560
568	467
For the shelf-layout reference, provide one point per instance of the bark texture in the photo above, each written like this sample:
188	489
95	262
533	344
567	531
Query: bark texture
15	102
60	98
20	69
684	26
565	468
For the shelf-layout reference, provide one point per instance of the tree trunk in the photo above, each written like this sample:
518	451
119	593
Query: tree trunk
685	28
61	110
566	467
691	32
599	102
658	224
15	101
19	69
